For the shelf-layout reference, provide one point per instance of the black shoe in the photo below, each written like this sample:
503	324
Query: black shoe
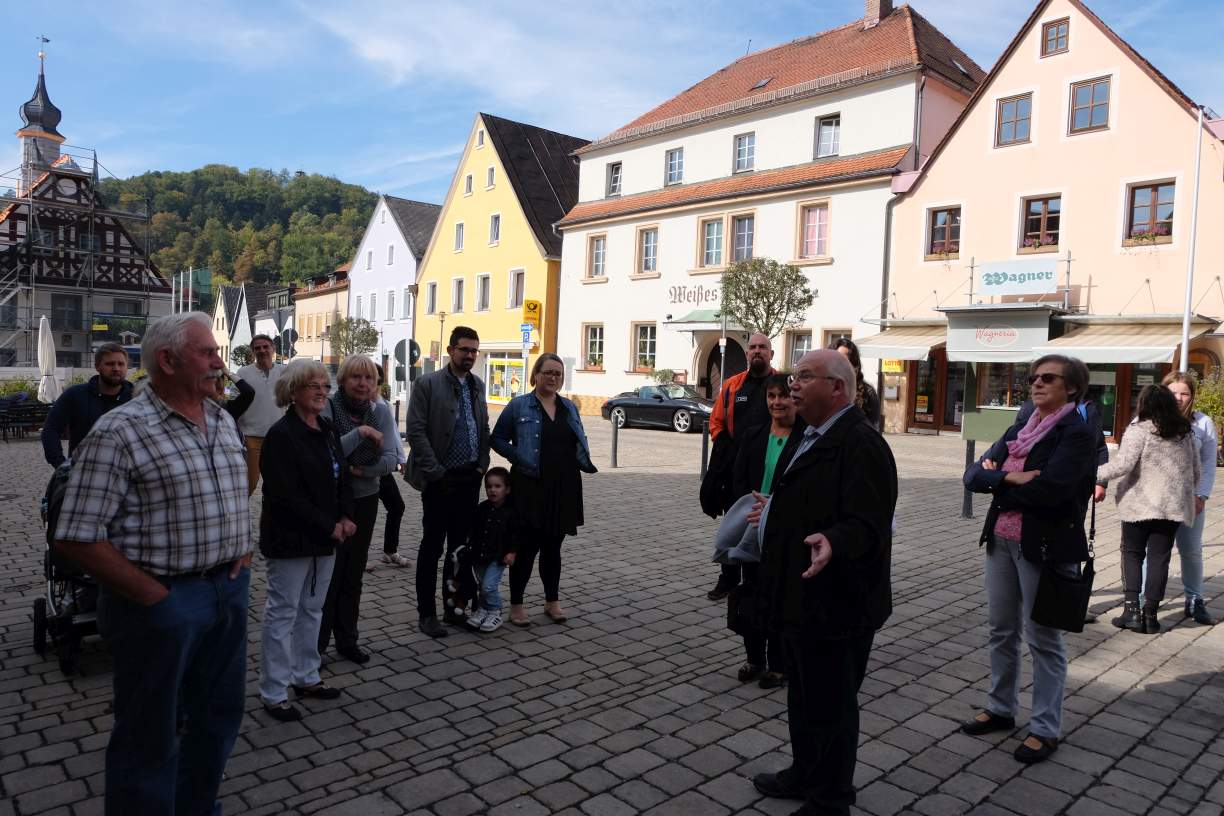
721	590
1029	755
749	672
993	722
353	654
1131	618
319	691
1198	611
431	627
772	680
775	786
284	711
1151	624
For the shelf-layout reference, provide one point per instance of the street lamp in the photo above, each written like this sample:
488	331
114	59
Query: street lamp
441	334
323	348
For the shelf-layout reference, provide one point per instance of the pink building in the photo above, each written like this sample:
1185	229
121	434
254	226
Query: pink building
1054	217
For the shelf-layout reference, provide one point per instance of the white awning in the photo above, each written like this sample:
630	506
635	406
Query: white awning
903	342
1121	342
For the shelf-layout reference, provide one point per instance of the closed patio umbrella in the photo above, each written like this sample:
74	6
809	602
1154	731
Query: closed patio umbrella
48	386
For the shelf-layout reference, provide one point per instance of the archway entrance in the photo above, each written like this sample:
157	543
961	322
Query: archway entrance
737	361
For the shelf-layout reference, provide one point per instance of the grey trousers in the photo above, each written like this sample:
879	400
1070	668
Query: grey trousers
1011	586
291	624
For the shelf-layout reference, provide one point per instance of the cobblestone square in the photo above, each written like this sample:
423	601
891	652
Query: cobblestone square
633	705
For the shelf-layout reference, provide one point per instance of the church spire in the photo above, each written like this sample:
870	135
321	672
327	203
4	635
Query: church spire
39	114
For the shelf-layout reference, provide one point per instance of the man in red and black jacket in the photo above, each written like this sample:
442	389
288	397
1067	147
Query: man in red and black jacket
740	406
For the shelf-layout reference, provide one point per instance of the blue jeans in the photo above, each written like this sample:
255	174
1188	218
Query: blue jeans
490	584
179	682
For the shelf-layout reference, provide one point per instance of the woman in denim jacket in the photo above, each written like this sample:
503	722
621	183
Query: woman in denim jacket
541	434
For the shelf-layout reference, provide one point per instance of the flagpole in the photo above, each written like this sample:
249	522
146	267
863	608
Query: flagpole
1198	169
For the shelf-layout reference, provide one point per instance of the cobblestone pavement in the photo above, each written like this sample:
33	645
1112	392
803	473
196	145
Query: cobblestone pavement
633	706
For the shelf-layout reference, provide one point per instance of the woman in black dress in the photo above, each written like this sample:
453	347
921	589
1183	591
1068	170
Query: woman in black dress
541	434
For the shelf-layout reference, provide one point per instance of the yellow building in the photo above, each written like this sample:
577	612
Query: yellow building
316	306
494	249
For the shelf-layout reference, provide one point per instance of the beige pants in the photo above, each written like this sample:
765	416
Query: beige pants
254	444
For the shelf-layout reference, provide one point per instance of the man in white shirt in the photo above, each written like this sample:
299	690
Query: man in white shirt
256	420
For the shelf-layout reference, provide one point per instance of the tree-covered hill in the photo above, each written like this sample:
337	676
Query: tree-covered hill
258	225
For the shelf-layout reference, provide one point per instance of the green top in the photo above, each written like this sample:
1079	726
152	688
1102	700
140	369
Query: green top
773	451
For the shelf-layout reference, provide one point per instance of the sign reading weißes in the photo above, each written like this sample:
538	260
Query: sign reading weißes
1036	276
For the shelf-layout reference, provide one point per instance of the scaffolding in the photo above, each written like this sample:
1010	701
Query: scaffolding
65	236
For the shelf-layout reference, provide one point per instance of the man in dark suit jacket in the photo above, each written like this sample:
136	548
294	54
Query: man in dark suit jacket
827	535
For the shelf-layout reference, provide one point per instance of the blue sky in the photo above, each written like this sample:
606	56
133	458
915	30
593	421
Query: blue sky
382	92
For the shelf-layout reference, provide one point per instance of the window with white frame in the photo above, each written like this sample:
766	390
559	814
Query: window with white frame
593	345
745	152
800	344
357	311
614	179
480	137
390	254
648	251
814	240
518	288
645	336
675	166
742	229
369	259
494	228
431	298
373	306
457	295
406	304
597	249
390	304
459	237
467	184
382	216
828	136
712	242
489	176
482	293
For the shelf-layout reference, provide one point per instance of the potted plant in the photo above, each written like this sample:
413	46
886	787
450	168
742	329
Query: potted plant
595	362
1139	235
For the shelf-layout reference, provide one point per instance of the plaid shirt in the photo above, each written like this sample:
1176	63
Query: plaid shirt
168	495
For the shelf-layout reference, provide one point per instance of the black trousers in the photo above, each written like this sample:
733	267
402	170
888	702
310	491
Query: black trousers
448	506
823	679
343	604
548	547
1152	540
729	575
393	503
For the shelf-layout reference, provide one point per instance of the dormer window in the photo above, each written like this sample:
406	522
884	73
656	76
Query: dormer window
1054	37
614	179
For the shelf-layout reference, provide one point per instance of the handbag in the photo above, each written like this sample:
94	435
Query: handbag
1062	600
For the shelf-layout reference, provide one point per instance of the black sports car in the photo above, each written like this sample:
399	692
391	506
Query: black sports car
674	406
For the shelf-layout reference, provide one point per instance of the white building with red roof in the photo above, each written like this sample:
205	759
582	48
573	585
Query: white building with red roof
787	153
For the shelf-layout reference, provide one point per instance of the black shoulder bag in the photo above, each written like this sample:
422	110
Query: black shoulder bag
1062	600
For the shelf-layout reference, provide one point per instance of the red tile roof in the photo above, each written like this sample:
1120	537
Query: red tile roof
822	171
902	41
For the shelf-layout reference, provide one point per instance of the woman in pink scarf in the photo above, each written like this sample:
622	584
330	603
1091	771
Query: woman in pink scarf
1040	476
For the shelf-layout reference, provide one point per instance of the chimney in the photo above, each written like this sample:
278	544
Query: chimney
876	11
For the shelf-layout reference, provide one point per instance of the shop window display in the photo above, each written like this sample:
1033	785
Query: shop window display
1002	385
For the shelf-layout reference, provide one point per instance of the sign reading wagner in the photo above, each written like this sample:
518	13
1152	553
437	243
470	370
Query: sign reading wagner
1037	276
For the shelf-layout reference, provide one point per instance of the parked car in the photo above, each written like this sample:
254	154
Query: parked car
672	405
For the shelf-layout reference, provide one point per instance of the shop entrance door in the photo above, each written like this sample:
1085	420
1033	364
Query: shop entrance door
737	361
937	400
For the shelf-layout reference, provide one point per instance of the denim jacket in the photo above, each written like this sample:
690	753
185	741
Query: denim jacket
516	436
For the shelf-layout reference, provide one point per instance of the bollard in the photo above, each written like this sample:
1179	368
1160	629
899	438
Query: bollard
967	503
615	438
705	447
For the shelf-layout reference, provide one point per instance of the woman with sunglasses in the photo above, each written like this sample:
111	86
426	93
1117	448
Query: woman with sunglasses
1157	468
1040	478
541	434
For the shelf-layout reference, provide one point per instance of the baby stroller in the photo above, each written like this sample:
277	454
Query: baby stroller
69	611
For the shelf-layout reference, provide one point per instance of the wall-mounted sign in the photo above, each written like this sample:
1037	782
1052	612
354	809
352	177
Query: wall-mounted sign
531	313
1003	336
893	366
695	295
1035	276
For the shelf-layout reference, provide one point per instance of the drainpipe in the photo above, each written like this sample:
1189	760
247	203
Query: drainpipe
918	122
884	289
1198	169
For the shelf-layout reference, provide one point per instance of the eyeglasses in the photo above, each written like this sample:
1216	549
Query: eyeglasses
552	373
466	350
1045	377
805	377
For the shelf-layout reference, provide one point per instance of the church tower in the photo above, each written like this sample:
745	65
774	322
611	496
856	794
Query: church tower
40	141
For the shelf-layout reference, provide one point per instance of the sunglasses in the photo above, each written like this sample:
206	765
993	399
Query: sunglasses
1047	378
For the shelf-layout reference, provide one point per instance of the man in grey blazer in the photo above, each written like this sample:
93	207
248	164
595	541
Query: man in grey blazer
448	438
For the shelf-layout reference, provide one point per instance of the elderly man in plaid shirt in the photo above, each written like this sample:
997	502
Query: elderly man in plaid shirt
156	510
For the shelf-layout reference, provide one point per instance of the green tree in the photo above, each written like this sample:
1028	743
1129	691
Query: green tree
241	355
762	295
351	335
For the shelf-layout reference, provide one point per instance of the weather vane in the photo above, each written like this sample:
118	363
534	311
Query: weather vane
42	41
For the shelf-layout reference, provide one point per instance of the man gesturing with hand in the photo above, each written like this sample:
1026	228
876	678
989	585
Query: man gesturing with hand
827	544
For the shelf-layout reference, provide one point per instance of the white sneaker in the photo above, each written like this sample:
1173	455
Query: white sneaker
477	619
492	621
396	560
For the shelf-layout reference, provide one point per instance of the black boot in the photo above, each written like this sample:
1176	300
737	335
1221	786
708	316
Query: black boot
1198	611
1151	625
1130	618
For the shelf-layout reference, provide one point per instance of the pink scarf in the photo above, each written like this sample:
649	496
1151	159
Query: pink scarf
1034	431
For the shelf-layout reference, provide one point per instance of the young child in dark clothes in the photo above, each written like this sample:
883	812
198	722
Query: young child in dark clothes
491	546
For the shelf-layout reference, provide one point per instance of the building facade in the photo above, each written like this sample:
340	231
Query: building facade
787	153
1073	238
316	307
234	317
494	250
277	318
383	278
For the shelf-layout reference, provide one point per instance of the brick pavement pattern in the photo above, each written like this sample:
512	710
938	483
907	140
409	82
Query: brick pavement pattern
632	706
